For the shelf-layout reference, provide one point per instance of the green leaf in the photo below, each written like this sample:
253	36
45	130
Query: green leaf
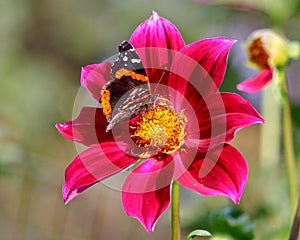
198	233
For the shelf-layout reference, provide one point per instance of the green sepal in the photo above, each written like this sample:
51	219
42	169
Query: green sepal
293	50
280	85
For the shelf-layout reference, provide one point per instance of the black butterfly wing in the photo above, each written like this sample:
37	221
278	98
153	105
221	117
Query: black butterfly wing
127	59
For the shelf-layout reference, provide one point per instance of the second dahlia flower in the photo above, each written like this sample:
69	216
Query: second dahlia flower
267	52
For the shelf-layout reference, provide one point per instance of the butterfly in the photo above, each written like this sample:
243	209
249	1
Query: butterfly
128	93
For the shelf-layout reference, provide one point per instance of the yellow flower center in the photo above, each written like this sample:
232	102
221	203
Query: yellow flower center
258	54
160	130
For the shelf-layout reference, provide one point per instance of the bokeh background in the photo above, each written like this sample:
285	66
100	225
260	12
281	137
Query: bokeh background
44	44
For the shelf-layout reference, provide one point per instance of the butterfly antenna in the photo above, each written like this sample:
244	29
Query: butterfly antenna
161	77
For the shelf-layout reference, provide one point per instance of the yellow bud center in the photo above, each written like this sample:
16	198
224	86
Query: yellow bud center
160	130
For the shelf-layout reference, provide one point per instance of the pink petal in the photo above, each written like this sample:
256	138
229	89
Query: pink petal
204	68
146	191
220	116
225	171
93	165
157	32
93	78
88	128
256	83
184	91
154	41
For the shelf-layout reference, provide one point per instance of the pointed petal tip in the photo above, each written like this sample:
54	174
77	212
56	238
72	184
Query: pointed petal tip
66	201
236	200
65	194
94	77
259	119
155	16
65	130
156	32
146	185
233	41
227	40
85	72
235	196
149	228
58	126
61	126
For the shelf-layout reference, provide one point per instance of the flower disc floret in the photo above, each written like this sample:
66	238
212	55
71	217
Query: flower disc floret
257	53
160	130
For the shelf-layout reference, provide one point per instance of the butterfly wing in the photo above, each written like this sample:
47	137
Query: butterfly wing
127	59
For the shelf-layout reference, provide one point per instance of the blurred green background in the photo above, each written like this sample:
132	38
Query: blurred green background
44	44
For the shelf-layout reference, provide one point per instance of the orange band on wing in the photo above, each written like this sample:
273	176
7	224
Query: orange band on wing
128	73
105	97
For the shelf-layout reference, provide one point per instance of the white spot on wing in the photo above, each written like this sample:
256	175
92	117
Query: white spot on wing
134	60
125	59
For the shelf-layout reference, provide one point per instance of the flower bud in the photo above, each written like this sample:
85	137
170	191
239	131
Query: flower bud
267	48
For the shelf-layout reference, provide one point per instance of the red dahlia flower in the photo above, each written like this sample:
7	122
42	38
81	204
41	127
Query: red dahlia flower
183	136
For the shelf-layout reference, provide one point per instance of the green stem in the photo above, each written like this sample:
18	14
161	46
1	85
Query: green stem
175	211
289	145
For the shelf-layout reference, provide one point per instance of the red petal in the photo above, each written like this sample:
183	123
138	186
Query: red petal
93	78
93	165
157	32
154	41
219	116
256	83
223	172
146	191
88	128
204	64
